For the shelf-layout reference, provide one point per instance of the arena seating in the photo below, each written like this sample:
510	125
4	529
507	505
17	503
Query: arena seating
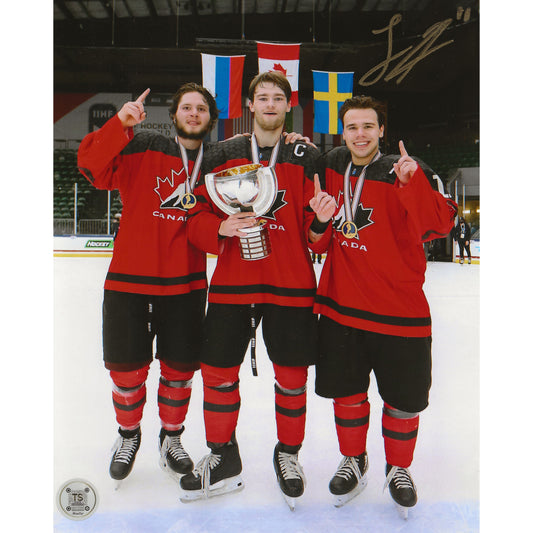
445	158
92	203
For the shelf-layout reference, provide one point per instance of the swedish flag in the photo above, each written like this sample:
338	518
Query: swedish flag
331	89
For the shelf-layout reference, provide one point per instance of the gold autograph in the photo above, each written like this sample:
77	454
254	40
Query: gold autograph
414	55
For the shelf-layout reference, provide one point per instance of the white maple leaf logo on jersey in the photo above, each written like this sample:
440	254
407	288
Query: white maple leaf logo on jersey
169	194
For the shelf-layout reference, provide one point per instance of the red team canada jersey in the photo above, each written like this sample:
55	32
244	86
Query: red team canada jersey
286	277
374	281
151	252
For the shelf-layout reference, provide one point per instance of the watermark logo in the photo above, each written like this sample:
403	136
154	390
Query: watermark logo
77	499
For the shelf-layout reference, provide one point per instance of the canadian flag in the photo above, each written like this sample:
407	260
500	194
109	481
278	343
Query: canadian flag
284	58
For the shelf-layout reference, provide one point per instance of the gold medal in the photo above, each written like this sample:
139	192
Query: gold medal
349	230
188	201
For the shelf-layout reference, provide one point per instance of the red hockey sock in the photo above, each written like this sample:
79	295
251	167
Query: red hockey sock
222	402
399	434
351	421
173	396
129	396
290	398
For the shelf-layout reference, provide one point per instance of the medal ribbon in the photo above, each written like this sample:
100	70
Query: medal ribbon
351	204
190	182
273	155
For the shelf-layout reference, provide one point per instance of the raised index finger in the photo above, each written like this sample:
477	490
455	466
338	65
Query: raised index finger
403	151
318	189
143	96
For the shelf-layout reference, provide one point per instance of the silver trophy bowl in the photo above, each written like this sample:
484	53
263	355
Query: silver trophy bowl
251	188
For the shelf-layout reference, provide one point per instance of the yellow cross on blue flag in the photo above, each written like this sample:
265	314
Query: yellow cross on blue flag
330	90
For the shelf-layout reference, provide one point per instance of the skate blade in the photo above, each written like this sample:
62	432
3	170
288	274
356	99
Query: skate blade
117	483
342	499
402	511
291	502
226	486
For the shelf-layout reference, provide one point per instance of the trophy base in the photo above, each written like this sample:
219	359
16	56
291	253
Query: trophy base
256	245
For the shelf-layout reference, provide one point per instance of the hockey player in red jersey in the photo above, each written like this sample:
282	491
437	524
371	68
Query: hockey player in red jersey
156	284
373	312
278	290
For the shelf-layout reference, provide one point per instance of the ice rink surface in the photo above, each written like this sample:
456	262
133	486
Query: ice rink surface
445	468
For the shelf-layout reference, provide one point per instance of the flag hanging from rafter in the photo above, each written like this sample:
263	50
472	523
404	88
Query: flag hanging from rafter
222	77
284	58
330	90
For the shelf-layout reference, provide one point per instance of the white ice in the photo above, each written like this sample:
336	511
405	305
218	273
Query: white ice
445	469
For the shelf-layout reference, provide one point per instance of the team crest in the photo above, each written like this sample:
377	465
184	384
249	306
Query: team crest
279	202
172	196
349	229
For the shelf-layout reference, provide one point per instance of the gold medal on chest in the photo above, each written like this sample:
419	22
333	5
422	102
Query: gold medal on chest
188	201
349	230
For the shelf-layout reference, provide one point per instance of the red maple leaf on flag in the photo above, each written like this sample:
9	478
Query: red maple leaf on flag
279	68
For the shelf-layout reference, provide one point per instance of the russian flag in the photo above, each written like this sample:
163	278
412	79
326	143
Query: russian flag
284	58
330	90
222	77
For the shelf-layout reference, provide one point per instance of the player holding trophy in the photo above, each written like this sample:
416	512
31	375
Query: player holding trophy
277	289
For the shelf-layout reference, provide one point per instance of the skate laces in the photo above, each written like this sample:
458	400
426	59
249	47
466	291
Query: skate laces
349	467
290	467
125	449
203	470
400	478
173	446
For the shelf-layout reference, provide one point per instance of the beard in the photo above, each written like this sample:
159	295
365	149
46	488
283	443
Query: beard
195	136
270	125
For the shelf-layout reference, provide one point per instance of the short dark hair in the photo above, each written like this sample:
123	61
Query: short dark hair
274	77
192	87
364	102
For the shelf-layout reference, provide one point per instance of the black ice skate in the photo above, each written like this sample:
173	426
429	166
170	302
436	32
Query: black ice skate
289	473
401	488
350	479
124	452
217	473
174	459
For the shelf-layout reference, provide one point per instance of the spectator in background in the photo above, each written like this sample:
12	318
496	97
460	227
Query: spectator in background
462	233
115	224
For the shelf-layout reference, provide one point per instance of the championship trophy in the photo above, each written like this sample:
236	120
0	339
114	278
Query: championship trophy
246	188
